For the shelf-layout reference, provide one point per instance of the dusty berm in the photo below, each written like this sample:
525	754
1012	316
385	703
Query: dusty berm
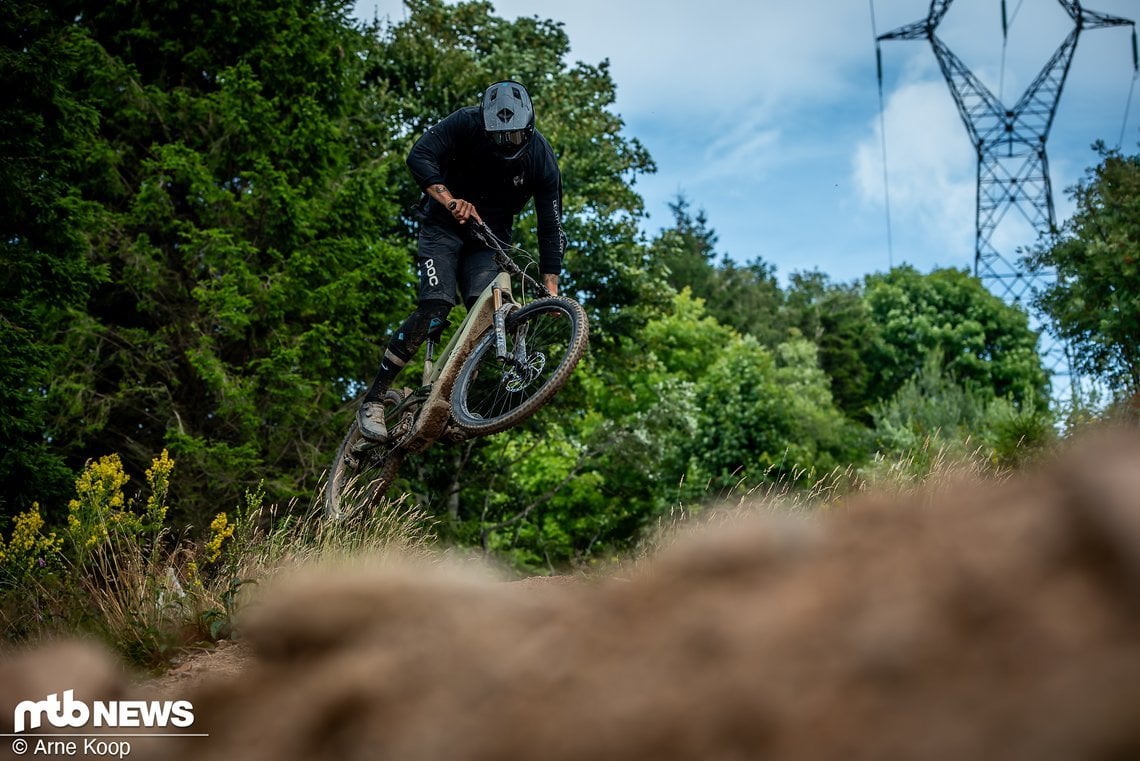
997	620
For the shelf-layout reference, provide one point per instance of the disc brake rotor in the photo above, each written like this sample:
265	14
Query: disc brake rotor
521	375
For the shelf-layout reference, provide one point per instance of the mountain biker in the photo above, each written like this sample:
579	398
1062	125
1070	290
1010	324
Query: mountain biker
481	163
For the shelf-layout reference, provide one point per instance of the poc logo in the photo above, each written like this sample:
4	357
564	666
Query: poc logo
69	712
429	272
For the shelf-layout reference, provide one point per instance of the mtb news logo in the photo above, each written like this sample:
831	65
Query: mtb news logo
119	714
71	717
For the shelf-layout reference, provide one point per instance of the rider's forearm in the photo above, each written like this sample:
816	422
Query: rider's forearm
440	193
460	209
551	283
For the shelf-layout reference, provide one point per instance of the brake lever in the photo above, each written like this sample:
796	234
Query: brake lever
480	231
483	233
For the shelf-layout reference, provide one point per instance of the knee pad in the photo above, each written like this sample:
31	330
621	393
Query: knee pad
429	320
433	316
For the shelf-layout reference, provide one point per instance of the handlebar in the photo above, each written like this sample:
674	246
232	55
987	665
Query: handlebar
483	233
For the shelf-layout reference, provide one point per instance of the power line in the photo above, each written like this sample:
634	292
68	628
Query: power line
1131	88
883	137
1127	107
1013	170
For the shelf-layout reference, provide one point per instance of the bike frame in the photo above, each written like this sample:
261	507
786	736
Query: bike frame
440	374
419	417
417	432
478	319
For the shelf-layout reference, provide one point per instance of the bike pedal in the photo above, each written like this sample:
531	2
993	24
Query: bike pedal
363	445
401	428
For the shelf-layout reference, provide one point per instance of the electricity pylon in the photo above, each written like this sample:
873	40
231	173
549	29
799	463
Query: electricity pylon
1013	169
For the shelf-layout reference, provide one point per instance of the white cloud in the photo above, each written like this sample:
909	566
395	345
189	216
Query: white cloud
745	149
725	53
931	170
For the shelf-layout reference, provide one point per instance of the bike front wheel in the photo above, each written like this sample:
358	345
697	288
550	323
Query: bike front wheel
545	339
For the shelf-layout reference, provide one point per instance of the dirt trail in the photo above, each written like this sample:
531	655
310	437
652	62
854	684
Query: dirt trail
197	668
989	621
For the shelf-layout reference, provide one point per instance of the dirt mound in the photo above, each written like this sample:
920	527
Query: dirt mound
990	621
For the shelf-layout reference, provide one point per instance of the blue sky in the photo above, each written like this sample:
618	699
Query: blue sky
766	116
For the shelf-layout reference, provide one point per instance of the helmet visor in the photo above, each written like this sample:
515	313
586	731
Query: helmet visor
508	138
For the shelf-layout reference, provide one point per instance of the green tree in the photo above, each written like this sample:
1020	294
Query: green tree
441	57
746	298
244	228
934	416
985	343
749	299
837	319
1094	301
687	250
44	132
766	416
757	414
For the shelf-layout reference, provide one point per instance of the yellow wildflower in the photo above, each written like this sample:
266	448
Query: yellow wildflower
28	547
220	531
192	575
158	478
99	496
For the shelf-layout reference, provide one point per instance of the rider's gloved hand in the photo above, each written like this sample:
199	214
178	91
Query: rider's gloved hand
463	211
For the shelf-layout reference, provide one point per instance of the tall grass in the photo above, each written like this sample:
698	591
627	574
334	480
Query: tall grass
913	476
118	571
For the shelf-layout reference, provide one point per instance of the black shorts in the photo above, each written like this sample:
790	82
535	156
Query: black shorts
449	262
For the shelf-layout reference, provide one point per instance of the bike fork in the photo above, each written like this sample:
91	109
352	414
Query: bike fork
499	319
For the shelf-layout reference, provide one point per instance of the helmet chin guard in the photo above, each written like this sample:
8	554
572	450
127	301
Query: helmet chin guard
508	118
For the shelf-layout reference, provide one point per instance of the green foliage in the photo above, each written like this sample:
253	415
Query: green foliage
984	342
747	298
934	415
44	130
837	319
1019	435
1095	299
687	250
243	222
685	410
766	416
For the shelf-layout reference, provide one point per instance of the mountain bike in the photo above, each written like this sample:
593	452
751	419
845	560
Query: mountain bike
504	362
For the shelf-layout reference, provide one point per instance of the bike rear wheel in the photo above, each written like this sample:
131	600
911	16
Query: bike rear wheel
545	340
359	476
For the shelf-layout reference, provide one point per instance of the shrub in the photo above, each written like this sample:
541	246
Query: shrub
118	571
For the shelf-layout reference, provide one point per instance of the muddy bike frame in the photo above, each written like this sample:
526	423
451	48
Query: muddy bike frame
508	358
416	432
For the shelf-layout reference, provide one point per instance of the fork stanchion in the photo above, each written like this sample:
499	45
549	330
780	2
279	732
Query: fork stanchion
500	324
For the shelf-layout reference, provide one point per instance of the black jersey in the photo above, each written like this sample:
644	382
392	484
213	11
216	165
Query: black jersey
458	154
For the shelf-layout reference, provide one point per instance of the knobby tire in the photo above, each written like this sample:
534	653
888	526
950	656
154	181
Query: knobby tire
545	340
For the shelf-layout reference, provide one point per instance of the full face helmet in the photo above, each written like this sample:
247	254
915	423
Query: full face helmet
508	118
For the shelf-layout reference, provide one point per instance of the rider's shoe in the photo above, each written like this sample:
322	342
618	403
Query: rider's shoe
370	419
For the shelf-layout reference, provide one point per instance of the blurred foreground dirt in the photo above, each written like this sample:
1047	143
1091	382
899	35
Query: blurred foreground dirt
988	621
